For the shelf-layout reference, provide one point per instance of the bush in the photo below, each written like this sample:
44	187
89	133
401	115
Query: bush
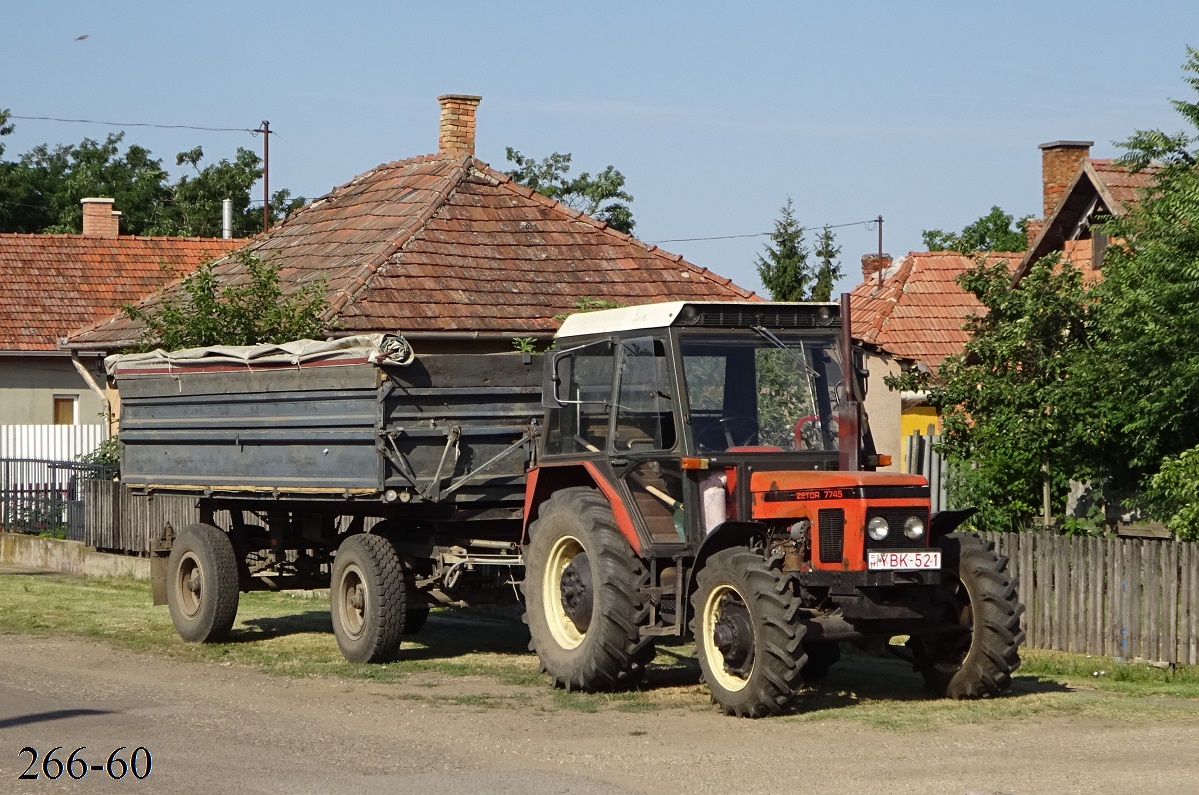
1173	494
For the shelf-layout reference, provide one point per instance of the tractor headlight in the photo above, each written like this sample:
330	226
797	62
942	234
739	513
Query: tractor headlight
913	528
877	528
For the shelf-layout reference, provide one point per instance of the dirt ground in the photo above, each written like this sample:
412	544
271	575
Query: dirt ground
215	728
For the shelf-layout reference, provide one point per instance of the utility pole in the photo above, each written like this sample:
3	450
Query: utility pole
265	129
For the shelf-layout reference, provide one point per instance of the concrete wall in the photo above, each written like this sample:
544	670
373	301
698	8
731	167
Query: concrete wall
885	410
68	557
28	385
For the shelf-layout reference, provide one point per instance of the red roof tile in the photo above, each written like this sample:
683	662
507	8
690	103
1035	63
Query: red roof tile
1123	185
916	310
447	244
51	285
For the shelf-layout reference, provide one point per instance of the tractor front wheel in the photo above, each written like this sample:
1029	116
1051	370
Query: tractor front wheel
977	657
747	637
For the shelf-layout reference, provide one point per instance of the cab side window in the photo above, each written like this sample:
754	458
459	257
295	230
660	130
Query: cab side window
580	425
644	412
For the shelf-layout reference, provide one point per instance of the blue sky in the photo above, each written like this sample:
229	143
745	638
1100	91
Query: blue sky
925	114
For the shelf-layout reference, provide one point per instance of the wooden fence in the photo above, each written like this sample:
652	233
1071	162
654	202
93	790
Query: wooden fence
116	519
1132	599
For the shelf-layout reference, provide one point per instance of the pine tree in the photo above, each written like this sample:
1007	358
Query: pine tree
829	270
784	269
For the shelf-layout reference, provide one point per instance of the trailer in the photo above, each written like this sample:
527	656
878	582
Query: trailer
682	469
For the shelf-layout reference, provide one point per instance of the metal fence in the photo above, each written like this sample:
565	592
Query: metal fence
46	496
50	442
923	459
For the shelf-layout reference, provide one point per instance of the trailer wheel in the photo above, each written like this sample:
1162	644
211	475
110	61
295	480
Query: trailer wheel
747	638
582	595
368	599
202	584
821	657
979	597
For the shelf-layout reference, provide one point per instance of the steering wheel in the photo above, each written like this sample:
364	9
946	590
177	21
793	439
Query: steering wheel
727	427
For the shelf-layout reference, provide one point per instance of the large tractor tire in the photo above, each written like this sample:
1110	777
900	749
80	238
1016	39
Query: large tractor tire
583	600
202	584
979	597
747	636
368	599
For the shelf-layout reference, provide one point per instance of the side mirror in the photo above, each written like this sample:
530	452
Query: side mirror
557	379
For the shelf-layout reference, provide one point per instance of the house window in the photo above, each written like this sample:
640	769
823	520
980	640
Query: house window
66	409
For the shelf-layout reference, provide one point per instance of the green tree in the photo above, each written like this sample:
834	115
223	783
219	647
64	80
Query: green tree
194	208
829	270
1144	370
784	269
1011	403
41	190
602	197
253	312
992	232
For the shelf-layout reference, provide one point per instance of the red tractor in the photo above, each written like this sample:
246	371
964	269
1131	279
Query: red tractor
707	469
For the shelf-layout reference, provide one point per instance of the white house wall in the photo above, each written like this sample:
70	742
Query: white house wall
29	384
884	408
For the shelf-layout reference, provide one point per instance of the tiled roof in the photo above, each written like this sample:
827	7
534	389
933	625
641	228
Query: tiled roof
1098	183
51	285
1123	185
916	310
445	244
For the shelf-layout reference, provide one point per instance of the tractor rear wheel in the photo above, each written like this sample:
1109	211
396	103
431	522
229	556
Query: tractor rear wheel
979	599
747	636
583	600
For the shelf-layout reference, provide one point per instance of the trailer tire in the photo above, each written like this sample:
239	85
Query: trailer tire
979	594
583	601
747	635
368	598
202	584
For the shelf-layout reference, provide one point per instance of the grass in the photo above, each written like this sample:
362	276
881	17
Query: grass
480	660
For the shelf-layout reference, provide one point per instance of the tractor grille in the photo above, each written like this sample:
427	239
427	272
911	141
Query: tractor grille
895	518
830	531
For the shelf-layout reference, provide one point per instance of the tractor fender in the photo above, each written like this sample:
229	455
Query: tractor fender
726	535
544	480
943	523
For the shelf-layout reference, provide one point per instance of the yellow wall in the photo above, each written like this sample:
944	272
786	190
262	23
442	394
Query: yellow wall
917	419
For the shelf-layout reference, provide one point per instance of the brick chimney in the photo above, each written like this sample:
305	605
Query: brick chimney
99	219
456	133
874	264
1034	228
1060	161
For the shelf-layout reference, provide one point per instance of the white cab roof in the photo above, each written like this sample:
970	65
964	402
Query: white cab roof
645	316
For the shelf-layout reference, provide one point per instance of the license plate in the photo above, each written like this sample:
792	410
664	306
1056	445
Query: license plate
904	561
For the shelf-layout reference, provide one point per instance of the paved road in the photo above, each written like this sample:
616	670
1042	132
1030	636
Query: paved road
215	729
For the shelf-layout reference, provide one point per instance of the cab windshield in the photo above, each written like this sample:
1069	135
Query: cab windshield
760	389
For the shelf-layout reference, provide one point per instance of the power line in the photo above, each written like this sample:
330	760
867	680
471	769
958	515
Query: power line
141	124
869	224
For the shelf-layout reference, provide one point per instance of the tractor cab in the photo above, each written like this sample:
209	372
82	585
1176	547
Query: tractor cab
681	408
